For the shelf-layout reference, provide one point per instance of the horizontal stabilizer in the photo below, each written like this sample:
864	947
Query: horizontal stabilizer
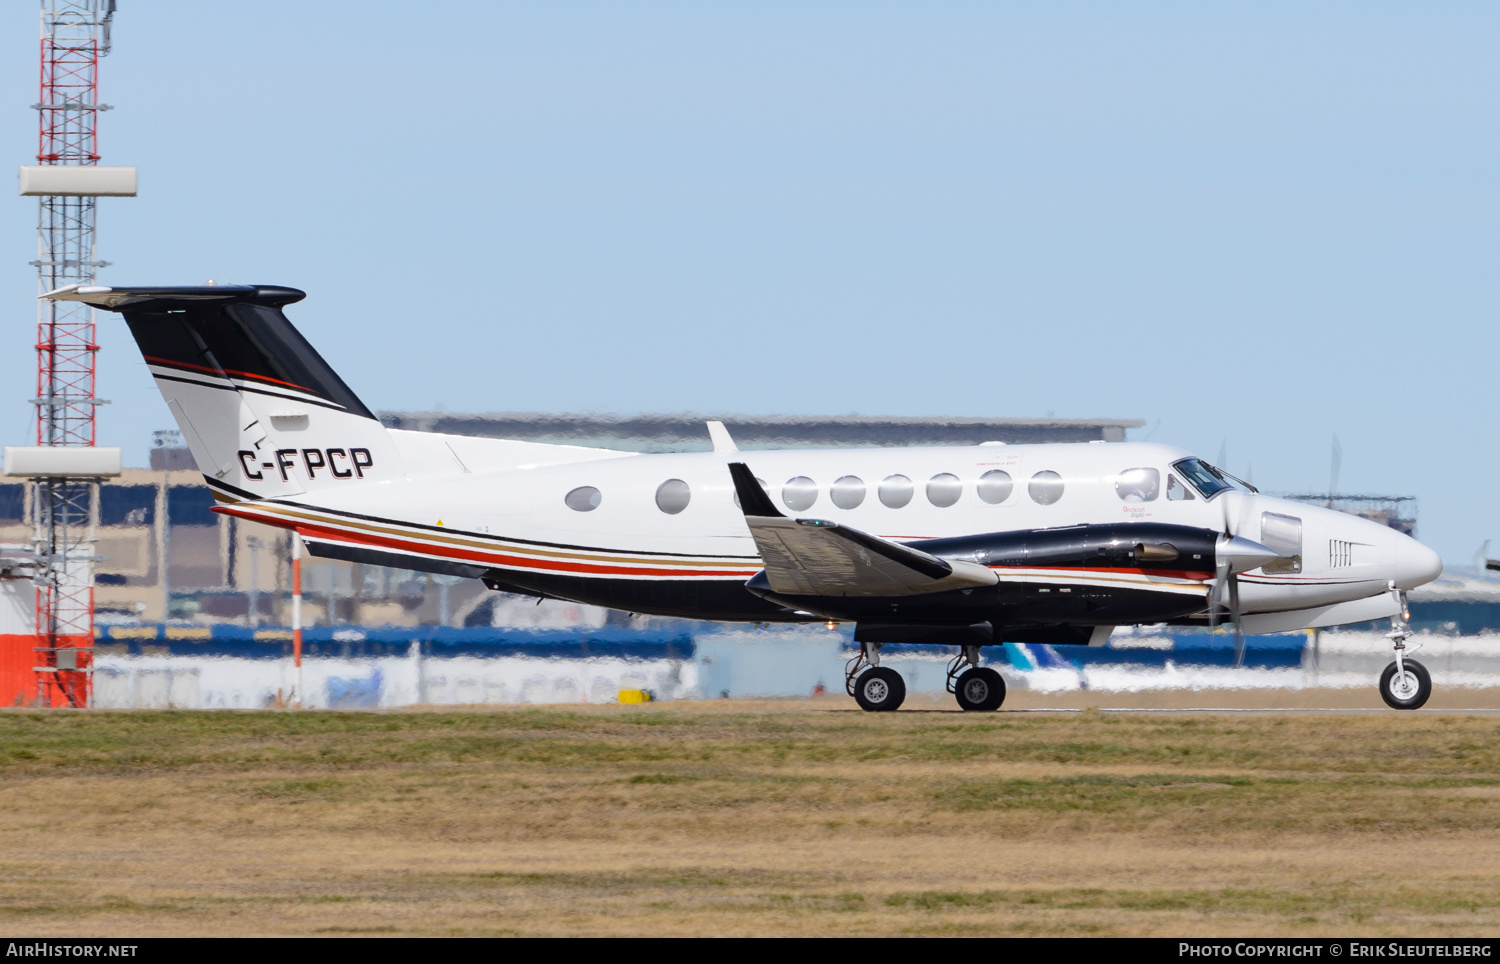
815	557
161	299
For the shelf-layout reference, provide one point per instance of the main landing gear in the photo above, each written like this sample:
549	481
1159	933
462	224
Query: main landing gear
978	688
1405	684
879	689
876	688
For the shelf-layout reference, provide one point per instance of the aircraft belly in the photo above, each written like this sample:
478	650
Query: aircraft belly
718	599
1009	606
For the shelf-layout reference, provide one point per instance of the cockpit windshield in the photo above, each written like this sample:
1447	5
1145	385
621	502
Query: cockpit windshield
1209	481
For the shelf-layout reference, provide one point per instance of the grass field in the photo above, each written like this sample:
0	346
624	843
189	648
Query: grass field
803	818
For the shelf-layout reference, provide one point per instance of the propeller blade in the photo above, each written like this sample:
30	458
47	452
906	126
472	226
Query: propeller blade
1233	555
1216	592
1234	616
1223	569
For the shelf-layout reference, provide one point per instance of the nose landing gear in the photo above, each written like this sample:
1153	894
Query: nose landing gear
876	688
1405	684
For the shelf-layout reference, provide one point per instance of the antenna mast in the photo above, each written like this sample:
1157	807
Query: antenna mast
75	35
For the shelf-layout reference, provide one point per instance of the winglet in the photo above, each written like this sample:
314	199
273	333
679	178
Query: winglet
753	499
723	444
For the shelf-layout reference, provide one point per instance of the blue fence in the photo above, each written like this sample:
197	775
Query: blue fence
1188	647
227	639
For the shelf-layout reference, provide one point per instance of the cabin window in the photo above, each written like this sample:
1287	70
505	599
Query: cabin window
896	491
763	484
1138	485
672	496
1176	491
1046	487
995	486
848	492
943	490
1284	534
799	493
585	498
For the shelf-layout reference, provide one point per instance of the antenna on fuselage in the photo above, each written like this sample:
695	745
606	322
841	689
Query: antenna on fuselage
719	435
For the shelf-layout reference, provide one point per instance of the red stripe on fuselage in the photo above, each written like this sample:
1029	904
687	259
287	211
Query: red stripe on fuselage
585	568
479	556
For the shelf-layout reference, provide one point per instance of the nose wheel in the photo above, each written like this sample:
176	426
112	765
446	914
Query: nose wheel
1405	684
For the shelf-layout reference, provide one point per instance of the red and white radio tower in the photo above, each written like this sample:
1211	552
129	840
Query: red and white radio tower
68	181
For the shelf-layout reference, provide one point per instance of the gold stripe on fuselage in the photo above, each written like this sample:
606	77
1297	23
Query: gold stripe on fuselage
498	544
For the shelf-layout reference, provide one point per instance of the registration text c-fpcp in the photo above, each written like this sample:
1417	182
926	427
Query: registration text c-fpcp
339	463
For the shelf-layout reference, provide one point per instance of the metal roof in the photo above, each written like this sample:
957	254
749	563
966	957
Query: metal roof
685	431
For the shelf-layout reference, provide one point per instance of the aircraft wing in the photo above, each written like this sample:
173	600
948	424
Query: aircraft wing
815	557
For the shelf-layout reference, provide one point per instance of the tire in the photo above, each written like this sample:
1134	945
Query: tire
980	690
1407	694
879	689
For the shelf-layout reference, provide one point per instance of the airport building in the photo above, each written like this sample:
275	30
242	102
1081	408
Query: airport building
686	433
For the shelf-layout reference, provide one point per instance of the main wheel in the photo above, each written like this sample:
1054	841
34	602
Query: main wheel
1408	690
980	689
879	689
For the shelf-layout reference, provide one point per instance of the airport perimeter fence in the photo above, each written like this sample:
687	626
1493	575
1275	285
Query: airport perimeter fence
349	667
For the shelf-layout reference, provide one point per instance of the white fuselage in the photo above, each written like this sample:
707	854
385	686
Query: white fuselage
516	517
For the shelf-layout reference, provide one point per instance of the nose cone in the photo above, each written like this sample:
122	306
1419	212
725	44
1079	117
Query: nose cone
1239	554
1416	565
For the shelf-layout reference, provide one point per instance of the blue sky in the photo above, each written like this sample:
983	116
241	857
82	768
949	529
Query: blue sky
1266	224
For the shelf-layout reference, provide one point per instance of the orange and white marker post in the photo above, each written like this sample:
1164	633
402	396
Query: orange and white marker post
297	619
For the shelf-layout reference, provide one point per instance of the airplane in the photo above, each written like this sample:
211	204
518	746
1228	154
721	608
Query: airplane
954	546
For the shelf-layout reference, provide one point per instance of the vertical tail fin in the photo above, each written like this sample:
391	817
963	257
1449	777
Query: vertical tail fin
262	412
